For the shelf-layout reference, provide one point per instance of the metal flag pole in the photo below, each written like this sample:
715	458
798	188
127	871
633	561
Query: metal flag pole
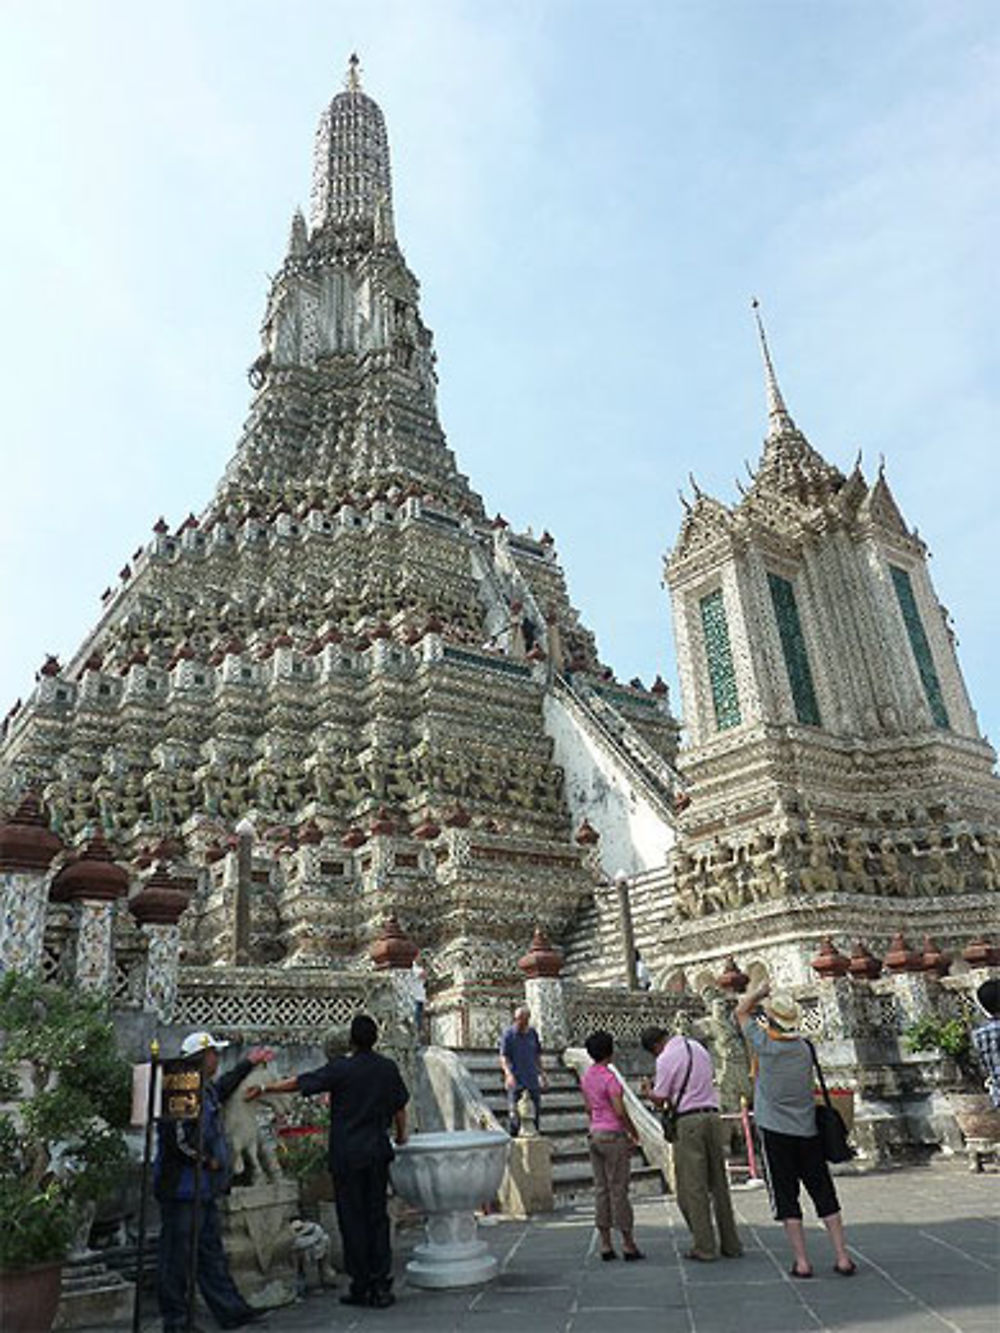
154	1066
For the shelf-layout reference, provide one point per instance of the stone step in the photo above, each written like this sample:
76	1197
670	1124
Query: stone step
563	1126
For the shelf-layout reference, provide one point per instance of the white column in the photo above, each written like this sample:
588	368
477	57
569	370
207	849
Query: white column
545	998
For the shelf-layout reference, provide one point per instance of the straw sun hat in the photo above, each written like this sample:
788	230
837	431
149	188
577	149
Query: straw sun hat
782	1009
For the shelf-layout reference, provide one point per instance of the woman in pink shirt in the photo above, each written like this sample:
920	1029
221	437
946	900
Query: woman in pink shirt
612	1136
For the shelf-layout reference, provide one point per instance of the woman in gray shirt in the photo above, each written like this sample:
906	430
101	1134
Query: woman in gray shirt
785	1114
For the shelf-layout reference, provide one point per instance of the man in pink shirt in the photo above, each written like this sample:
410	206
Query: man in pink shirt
684	1081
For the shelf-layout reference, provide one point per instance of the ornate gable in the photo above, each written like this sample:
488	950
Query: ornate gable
706	522
880	509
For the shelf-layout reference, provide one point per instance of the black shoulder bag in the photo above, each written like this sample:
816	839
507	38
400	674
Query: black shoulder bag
829	1124
670	1111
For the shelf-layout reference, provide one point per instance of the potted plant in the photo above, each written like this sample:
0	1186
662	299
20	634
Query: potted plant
304	1155
64	1102
963	1079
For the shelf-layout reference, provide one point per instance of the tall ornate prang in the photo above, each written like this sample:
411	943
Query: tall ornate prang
341	650
834	762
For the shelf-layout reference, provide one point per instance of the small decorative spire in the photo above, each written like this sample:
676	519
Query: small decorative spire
298	237
353	80
779	419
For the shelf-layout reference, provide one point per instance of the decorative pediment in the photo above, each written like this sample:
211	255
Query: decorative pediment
705	522
880	509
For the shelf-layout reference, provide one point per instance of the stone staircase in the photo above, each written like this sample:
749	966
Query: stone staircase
594	952
564	1126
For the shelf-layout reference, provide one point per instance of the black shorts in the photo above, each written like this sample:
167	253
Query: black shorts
789	1161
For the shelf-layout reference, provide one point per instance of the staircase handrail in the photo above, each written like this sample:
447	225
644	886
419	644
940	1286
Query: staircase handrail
653	1145
633	740
658	786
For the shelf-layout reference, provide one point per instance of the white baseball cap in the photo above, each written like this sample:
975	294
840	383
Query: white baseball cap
196	1042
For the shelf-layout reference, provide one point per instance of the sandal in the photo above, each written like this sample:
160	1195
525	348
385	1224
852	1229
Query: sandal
846	1272
630	1256
608	1255
794	1272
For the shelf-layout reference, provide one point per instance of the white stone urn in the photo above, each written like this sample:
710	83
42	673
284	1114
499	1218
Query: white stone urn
448	1175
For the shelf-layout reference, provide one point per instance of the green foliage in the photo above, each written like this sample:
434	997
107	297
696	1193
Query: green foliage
68	1095
947	1036
36	1226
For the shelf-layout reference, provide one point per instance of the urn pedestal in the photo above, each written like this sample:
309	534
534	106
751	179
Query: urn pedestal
448	1175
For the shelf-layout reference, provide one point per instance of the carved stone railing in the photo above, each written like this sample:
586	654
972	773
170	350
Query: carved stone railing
447	1096
255	1004
625	1013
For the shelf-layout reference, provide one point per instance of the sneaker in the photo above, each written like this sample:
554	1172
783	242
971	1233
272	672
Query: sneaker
381	1298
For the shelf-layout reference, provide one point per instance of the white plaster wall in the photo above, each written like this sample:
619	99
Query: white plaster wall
634	835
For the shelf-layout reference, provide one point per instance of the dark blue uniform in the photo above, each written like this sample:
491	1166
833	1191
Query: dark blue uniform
174	1185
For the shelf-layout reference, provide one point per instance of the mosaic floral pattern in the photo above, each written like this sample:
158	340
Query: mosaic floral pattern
93	947
22	921
793	646
918	642
719	654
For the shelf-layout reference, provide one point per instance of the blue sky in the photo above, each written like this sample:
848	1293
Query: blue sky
590	193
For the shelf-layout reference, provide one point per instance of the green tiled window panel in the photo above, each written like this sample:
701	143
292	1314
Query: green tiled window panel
719	653
918	642
793	645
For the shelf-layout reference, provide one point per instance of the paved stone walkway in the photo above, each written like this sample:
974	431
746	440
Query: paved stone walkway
926	1242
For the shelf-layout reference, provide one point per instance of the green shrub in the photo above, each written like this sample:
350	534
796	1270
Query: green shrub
67	1099
946	1036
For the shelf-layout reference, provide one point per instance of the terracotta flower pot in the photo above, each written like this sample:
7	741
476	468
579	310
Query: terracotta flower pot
29	1297
975	1115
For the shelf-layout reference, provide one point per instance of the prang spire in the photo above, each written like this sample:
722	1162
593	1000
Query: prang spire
778	417
351	178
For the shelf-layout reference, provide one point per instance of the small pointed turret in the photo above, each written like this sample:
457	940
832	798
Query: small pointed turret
352	79
789	465
778	417
298	238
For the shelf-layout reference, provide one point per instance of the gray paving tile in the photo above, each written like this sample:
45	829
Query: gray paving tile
926	1242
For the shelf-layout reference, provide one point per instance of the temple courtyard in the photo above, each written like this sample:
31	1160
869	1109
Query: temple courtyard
926	1242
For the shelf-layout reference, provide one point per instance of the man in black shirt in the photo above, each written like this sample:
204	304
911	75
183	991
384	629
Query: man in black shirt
367	1094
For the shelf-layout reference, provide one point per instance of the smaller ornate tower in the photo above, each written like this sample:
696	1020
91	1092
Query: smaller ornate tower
832	747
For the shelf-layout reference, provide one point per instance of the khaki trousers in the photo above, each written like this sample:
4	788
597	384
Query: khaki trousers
703	1185
610	1159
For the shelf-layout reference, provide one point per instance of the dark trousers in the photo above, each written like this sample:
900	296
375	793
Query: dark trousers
513	1118
364	1226
173	1265
790	1160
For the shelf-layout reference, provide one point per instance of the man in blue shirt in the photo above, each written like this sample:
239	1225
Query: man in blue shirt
521	1062
174	1175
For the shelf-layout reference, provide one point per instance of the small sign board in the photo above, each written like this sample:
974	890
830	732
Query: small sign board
180	1089
141	1075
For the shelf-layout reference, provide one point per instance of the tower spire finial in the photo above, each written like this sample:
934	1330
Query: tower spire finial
353	80
778	416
